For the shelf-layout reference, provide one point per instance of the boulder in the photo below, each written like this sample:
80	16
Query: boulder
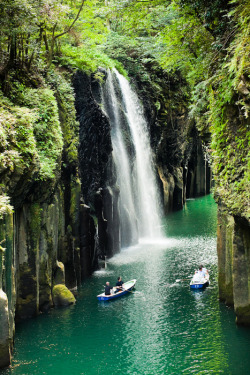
5	355
62	296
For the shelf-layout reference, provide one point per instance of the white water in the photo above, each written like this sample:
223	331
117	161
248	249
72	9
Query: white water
129	230
147	194
140	213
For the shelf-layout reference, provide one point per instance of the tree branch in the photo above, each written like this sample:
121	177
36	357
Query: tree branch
72	24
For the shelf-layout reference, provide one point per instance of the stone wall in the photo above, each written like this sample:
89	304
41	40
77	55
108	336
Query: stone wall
233	248
46	231
39	242
96	165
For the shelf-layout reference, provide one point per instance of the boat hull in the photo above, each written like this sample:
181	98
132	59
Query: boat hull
198	282
128	286
199	286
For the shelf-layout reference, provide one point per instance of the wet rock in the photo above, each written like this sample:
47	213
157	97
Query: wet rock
95	139
241	262
62	296
4	331
233	248
59	273
89	247
225	231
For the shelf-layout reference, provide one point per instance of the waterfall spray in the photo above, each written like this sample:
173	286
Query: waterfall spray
139	202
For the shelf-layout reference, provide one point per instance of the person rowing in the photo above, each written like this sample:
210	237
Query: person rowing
203	270
201	273
119	284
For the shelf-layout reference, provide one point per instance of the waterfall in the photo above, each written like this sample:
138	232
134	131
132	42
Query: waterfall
132	155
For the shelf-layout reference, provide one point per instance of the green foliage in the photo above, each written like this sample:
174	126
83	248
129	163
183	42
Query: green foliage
127	51
221	106
201	45
34	34
31	135
64	95
46	129
186	44
208	43
18	144
87	59
5	207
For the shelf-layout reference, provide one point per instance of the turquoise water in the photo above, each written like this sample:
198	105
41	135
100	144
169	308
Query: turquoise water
161	328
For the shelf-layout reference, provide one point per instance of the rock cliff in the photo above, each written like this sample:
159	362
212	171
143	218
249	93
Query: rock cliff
231	172
181	158
181	154
59	193
46	232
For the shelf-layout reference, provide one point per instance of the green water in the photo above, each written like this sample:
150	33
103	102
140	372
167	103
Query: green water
162	328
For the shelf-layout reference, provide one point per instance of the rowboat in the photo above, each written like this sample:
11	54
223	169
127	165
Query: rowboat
127	287
199	282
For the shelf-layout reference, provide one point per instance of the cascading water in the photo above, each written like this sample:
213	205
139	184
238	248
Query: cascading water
139	203
128	219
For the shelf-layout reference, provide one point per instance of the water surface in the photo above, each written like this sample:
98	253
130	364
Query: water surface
161	328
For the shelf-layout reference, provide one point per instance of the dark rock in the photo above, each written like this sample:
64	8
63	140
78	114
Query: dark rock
88	255
95	141
59	273
233	248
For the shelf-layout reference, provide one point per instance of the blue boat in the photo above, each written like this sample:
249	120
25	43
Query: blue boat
127	287
198	282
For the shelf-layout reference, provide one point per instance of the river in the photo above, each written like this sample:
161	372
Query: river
161	328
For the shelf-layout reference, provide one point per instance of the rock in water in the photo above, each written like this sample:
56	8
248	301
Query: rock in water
62	296
4	331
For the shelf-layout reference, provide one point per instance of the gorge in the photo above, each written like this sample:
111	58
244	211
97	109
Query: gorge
112	116
58	233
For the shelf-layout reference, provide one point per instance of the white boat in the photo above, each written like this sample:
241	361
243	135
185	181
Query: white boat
126	288
198	281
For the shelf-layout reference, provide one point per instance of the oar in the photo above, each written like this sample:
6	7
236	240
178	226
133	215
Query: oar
178	280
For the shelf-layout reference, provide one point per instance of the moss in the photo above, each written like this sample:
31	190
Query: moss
67	114
38	136
46	129
62	296
30	298
17	141
35	222
75	199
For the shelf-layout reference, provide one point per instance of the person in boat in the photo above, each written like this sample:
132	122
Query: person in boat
108	288
204	271
119	284
199	274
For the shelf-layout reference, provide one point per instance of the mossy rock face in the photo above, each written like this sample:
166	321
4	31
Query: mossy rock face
4	331
243	315
62	296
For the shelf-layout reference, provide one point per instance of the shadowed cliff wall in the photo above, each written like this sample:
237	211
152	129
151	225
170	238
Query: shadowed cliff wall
46	232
